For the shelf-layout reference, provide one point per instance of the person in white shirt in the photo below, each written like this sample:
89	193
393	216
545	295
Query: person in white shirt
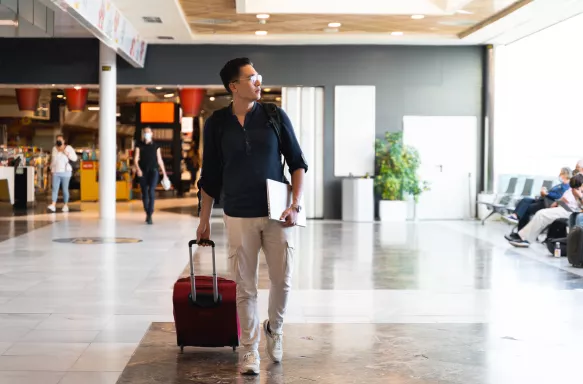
572	199
62	171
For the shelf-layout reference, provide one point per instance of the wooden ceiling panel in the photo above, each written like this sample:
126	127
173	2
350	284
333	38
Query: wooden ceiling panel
220	17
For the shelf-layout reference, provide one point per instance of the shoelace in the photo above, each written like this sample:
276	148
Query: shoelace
277	341
249	357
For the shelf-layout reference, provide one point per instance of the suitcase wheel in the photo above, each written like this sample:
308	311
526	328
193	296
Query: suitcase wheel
234	348
182	349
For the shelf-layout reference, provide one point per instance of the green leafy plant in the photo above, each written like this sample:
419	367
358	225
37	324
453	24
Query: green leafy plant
396	169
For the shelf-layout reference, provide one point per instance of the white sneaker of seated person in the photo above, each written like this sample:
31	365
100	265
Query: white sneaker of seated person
250	363
273	343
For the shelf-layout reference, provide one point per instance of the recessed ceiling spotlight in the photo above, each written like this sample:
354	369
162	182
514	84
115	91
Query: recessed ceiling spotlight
462	12
263	16
278	98
53	85
267	89
397	33
77	87
169	95
261	33
212	98
158	88
418	17
334	25
60	96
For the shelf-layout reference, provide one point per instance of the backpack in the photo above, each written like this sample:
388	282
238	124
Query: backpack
557	233
275	121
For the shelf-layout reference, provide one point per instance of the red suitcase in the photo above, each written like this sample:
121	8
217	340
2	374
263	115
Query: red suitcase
205	309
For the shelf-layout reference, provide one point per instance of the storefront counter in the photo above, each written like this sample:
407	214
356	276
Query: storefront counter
90	183
7	184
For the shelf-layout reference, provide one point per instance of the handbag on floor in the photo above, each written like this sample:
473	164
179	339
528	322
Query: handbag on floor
575	247
557	233
205	308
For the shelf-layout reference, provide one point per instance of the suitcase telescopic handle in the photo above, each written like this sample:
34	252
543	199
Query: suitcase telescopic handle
192	277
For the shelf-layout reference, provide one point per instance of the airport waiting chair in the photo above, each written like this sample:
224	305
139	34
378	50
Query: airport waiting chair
502	202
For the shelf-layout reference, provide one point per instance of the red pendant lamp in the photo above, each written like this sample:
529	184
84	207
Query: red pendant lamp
27	98
191	101
76	98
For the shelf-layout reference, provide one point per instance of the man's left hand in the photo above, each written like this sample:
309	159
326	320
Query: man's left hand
290	216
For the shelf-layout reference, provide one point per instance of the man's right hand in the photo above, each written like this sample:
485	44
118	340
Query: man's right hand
139	172
204	231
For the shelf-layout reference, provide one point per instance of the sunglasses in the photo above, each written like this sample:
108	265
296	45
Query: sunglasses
253	78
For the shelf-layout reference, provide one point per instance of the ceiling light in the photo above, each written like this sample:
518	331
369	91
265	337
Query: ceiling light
158	88
60	96
261	33
418	17
152	19
334	25
267	90
118	114
263	16
77	87
93	108
53	85
168	95
397	33
462	12
278	99
9	23
212	98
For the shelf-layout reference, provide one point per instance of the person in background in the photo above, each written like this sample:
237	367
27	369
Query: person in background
62	171
571	199
578	168
529	206
148	159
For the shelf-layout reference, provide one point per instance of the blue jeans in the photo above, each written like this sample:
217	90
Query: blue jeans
148	183
578	221
522	207
61	178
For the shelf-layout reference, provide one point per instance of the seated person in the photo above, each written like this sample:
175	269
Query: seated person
578	167
573	199
529	206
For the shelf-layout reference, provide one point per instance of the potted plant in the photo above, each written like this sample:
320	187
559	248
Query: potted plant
396	176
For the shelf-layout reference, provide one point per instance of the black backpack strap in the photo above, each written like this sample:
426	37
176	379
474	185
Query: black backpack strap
274	117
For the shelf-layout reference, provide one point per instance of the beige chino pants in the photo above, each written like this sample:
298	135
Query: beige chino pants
246	237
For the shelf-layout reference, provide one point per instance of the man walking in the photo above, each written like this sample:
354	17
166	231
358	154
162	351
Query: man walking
243	145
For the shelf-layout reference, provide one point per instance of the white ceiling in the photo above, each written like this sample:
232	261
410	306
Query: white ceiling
529	19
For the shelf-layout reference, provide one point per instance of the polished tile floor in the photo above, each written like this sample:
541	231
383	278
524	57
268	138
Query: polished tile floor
427	302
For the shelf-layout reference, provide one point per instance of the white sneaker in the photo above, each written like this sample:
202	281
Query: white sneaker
273	343
52	208
250	363
66	208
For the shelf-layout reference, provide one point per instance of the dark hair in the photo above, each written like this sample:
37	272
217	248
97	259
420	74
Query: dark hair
231	70
576	181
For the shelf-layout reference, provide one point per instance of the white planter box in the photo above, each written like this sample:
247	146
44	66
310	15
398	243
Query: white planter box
358	200
395	211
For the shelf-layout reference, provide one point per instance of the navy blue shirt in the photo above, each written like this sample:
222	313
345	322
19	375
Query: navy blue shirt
558	190
250	156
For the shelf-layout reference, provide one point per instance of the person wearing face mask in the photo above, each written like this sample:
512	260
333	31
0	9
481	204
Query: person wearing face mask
148	159
62	171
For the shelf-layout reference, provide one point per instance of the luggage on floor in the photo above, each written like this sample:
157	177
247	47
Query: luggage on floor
205	310
575	247
557	233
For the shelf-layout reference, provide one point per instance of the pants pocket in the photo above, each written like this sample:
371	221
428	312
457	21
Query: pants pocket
288	262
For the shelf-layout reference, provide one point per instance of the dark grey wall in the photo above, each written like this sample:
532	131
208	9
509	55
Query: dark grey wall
410	80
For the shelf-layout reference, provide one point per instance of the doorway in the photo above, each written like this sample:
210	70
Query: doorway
448	150
305	108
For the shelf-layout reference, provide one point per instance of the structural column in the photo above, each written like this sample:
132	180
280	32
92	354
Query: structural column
107	131
488	115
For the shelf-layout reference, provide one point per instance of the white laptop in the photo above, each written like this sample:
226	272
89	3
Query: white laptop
279	198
